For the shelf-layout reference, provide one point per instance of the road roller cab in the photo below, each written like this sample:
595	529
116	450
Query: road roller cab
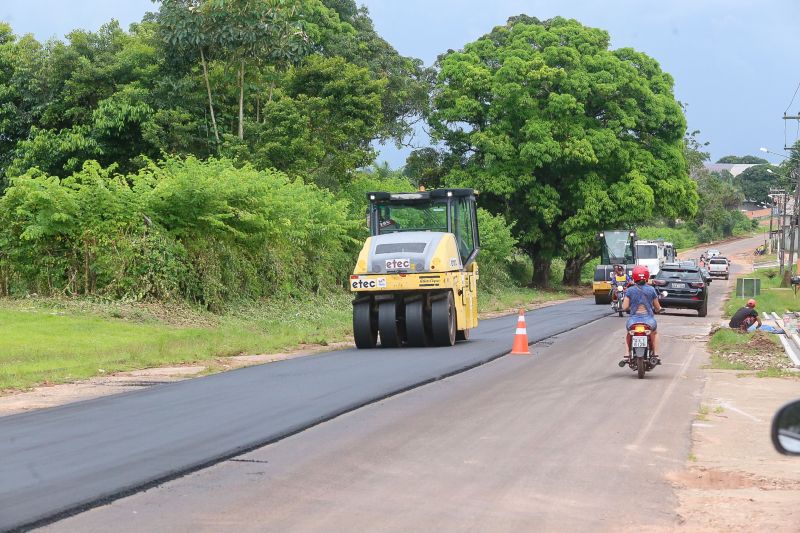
616	248
415	281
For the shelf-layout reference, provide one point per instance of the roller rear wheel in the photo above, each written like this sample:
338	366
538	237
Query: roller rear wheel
417	332
462	335
443	321
388	325
365	325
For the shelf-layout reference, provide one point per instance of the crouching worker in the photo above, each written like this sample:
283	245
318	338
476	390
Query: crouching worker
746	318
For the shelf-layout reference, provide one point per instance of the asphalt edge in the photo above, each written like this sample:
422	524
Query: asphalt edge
140	487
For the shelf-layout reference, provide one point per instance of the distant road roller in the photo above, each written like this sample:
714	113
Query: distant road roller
415	281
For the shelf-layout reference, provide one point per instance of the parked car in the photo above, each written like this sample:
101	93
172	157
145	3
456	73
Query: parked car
682	287
718	266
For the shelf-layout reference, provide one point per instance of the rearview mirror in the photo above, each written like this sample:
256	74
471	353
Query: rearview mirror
786	429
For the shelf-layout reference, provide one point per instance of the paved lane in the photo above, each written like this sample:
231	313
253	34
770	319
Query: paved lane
561	441
60	460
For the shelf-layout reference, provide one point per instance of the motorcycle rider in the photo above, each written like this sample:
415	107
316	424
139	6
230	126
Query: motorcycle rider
619	277
642	301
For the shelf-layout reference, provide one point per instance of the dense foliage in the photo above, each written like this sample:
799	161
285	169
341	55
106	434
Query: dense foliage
299	86
221	149
746	160
562	135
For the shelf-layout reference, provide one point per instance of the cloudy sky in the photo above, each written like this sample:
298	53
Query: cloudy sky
735	62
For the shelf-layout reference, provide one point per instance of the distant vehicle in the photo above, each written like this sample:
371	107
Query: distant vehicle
651	254
616	248
718	266
682	288
712	252
670	255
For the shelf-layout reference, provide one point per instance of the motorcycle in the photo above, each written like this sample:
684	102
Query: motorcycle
617	296
640	350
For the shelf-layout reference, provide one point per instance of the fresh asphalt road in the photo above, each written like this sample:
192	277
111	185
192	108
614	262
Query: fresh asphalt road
57	461
559	441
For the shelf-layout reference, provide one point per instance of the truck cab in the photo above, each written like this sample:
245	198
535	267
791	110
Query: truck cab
651	254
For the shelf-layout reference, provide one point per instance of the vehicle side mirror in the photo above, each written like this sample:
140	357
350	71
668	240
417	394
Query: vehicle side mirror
786	429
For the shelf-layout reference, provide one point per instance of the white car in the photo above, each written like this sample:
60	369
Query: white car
712	253
718	266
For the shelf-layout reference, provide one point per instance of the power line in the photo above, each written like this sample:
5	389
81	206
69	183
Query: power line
793	96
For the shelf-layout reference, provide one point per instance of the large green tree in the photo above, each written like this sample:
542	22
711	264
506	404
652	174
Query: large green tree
756	181
746	160
562	135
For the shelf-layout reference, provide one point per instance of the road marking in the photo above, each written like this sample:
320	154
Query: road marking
727	405
656	413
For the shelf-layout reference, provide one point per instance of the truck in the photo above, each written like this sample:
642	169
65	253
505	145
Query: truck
718	267
415	282
616	248
652	254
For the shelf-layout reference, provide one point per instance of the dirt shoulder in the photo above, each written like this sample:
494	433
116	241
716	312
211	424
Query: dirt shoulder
734	480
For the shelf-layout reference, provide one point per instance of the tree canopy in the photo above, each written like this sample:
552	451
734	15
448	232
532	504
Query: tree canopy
562	135
756	181
300	86
746	160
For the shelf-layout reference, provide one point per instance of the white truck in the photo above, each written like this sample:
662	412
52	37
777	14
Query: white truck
651	254
718	266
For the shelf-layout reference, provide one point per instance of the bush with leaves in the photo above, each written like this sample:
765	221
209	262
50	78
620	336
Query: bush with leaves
206	231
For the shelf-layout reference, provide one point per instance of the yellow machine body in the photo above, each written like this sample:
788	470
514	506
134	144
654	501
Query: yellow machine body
416	279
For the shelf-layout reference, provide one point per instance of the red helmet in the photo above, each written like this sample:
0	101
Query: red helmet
641	273
751	303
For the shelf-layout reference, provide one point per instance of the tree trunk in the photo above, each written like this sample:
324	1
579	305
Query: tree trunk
86	282
241	100
541	271
208	89
572	271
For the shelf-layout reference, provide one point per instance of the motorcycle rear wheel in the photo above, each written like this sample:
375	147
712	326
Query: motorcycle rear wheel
641	367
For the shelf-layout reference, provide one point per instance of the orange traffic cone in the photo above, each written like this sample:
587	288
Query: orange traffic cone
520	346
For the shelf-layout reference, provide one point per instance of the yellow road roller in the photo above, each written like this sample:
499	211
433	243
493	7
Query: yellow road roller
415	281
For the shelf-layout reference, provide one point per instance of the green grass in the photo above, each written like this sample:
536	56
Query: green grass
728	339
43	343
732	350
507	298
772	298
773	372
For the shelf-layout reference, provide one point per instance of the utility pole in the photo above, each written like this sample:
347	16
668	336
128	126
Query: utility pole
771	213
789	117
789	270
782	226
